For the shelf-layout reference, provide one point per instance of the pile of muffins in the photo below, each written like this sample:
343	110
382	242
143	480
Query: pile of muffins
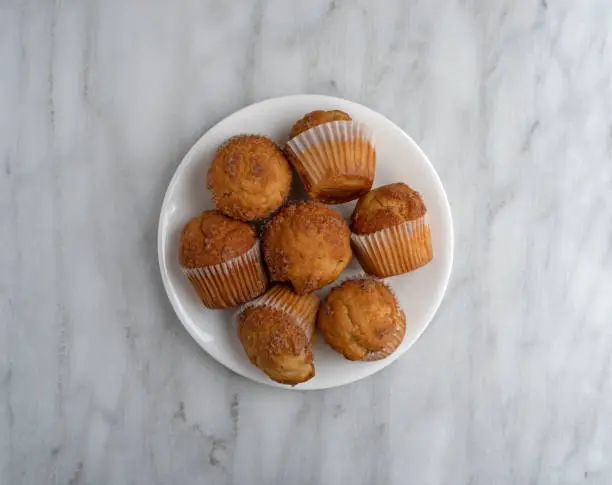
305	245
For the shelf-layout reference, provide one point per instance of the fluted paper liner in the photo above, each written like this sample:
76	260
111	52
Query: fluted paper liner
302	308
395	250
331	150
397	336
232	282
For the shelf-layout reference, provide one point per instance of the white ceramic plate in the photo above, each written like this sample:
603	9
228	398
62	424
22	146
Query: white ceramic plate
399	159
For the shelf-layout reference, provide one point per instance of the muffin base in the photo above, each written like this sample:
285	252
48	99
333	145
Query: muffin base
232	282
394	250
302	308
336	160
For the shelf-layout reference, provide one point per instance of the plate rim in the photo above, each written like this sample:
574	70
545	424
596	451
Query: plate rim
316	98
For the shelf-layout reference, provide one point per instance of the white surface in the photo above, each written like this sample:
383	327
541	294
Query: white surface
100	384
399	159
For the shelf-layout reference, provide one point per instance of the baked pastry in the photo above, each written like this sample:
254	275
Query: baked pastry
362	320
249	177
222	259
306	244
390	234
333	155
276	332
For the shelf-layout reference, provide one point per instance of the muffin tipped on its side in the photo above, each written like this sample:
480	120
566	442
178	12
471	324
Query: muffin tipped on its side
276	332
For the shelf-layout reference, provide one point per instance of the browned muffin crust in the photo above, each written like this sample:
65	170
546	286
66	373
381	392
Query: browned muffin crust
306	244
386	206
276	344
316	118
249	177
361	319
212	238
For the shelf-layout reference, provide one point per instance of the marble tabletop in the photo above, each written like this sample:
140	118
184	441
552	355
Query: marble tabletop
100	383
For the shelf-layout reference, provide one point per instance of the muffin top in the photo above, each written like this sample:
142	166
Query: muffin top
386	206
307	244
212	238
249	177
361	318
315	118
276	344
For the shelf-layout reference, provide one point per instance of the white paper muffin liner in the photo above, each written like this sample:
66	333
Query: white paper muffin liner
232	282
400	330
332	149
394	250
302	308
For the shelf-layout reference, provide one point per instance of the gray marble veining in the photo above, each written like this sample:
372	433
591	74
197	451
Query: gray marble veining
512	101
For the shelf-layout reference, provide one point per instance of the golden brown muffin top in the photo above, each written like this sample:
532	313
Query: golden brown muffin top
308	244
316	118
249	177
386	206
212	238
276	344
361	317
